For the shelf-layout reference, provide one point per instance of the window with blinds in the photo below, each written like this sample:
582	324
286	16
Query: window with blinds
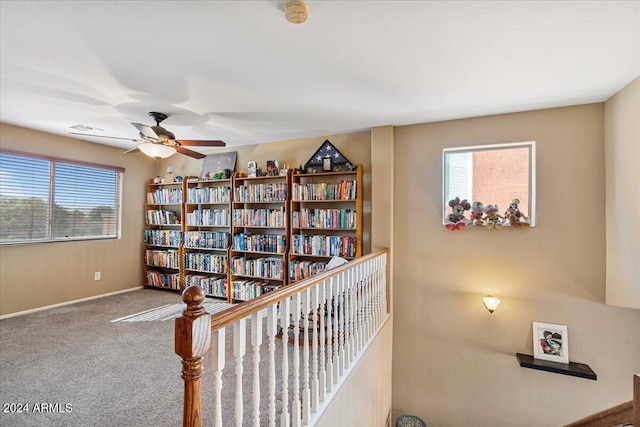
491	174
45	199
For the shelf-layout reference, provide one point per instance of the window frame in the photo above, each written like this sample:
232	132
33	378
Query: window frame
531	145
53	161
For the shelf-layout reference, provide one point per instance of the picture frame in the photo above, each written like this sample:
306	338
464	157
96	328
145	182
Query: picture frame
214	163
252	169
550	342
326	164
273	168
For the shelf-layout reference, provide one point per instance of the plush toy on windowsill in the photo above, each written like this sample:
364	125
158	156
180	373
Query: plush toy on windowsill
514	216
477	211
492	218
456	219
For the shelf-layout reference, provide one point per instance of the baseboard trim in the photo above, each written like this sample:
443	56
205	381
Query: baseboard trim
62	304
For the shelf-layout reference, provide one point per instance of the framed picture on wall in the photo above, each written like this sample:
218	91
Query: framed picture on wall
550	342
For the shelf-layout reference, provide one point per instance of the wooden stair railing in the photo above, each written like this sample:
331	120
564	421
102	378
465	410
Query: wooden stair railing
360	308
625	413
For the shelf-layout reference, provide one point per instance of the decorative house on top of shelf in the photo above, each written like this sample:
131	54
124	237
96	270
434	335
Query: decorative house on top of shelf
328	158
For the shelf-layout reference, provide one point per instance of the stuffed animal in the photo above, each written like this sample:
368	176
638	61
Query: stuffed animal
514	216
492	218
477	210
456	219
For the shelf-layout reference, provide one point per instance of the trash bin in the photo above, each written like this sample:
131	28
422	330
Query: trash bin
409	421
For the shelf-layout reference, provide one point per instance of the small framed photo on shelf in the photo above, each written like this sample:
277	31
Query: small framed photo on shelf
550	342
251	169
326	164
273	169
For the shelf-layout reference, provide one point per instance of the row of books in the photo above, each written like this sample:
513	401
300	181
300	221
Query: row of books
162	280
268	268
325	218
247	289
205	262
164	196
207	239
169	258
299	270
259	217
342	246
213	286
161	217
275	243
163	237
271	192
209	195
345	190
209	217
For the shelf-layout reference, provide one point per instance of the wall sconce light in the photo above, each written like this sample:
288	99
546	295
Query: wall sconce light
491	303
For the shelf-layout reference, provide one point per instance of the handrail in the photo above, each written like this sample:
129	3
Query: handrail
353	296
254	305
624	413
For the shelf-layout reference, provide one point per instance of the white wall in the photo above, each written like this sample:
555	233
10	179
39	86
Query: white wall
622	163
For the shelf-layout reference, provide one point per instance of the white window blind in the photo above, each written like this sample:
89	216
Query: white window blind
458	176
44	199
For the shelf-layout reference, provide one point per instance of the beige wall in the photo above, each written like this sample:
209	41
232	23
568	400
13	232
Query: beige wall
622	164
42	274
454	363
364	400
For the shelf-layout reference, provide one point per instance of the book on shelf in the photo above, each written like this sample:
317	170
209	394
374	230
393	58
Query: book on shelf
275	243
207	239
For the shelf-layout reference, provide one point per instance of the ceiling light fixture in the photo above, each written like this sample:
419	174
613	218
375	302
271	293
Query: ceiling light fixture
296	12
157	151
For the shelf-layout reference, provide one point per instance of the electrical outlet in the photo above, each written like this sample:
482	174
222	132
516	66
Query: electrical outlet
97	275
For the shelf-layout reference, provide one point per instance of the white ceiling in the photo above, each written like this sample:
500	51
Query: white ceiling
238	71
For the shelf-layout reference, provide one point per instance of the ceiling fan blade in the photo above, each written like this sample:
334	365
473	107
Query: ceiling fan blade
103	136
145	130
133	150
201	143
190	153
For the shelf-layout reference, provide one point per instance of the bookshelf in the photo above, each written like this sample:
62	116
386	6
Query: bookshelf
326	220
207	235
163	235
260	235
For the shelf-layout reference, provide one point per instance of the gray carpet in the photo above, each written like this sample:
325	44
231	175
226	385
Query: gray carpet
110	373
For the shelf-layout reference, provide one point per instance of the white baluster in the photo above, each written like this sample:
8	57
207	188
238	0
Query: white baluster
348	337
342	302
295	406
357	304
384	281
239	349
364	307
272	330
217	362
307	323
318	323
284	323
256	342
331	319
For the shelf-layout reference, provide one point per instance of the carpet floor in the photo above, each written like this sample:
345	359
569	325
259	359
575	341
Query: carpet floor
73	366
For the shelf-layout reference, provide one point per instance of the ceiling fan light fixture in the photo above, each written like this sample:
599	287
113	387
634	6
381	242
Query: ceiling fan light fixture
296	12
157	151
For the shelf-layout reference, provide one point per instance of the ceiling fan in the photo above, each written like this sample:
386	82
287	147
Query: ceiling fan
158	142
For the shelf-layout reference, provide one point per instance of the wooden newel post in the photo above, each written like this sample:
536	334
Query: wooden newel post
193	339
